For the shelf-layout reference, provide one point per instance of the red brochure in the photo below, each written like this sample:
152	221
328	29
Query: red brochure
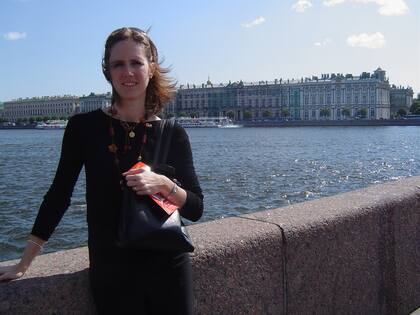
165	204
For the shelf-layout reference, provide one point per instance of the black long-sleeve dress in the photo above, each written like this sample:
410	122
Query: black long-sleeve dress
85	142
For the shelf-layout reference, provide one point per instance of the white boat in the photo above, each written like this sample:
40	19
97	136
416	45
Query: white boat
52	124
206	122
231	126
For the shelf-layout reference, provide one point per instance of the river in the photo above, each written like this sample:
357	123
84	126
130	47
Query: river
240	170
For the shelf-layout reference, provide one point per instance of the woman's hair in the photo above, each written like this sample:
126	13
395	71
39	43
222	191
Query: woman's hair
160	89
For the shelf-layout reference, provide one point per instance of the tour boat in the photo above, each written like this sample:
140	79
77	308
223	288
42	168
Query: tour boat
206	122
52	124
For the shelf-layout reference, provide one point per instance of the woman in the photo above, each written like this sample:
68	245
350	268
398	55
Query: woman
108	142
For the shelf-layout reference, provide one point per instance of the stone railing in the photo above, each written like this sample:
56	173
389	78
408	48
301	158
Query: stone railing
353	253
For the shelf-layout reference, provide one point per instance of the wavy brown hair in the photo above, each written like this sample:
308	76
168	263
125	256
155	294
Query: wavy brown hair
161	88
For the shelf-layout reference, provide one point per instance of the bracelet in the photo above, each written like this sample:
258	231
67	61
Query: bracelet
173	190
33	242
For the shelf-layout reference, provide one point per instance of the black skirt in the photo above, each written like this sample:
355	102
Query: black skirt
142	283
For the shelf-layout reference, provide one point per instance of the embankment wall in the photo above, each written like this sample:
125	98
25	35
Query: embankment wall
353	253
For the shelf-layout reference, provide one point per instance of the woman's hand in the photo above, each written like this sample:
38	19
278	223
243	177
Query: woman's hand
147	182
8	273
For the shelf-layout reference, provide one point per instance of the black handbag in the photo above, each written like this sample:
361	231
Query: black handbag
143	225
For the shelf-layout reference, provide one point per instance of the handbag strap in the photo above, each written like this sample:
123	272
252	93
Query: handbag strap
163	141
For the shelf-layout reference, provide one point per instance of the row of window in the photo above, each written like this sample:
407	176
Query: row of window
24	113
285	102
277	92
38	105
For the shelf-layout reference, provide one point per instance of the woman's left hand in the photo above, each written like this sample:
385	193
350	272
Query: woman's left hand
145	182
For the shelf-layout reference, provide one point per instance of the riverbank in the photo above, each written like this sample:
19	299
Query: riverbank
321	123
299	123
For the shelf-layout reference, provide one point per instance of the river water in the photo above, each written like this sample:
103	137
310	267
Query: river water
240	170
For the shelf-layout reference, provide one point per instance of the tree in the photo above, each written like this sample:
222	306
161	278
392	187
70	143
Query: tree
169	115
345	112
415	107
230	114
267	114
182	114
325	112
193	115
285	112
362	112
401	112
247	115
31	120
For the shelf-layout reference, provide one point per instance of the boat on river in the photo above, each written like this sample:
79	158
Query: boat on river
52	124
206	122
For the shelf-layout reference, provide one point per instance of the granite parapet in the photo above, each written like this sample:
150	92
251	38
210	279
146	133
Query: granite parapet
353	253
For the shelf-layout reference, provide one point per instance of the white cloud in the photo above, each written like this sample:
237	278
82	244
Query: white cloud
301	6
259	20
386	7
331	3
372	41
389	7
323	43
14	35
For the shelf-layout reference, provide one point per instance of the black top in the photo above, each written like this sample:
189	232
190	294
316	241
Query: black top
85	142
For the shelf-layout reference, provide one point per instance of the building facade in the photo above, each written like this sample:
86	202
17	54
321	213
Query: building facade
48	106
401	100
332	96
94	101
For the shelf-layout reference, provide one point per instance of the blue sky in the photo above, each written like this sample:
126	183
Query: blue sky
54	47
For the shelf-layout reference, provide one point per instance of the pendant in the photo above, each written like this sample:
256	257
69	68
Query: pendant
139	158
132	134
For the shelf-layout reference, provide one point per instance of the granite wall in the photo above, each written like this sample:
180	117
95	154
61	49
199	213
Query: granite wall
353	253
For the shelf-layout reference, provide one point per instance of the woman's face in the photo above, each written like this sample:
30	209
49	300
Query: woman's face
130	70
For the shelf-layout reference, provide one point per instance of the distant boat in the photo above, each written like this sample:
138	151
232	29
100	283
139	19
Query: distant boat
52	124
206	122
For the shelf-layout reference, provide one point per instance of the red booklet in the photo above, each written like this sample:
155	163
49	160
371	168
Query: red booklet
165	204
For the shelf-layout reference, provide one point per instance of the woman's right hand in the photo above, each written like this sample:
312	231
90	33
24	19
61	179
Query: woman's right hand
13	272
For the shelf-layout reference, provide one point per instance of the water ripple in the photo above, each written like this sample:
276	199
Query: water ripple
240	171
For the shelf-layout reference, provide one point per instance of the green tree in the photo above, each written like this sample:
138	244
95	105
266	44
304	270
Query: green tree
401	112
285	112
247	114
415	107
325	112
345	112
362	112
31	120
230	114
38	118
267	114
182	114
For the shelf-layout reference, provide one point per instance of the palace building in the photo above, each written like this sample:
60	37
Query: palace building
46	106
332	96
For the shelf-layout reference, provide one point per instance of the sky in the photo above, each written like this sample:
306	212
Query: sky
54	47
